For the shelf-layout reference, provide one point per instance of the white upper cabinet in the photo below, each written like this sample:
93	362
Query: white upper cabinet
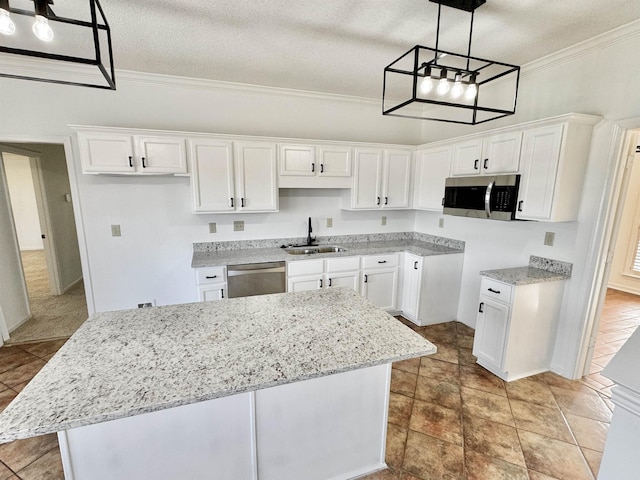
212	171
553	165
256	179
119	152
381	179
233	176
491	155
310	166
433	166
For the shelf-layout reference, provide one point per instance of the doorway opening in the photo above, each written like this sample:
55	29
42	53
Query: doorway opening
618	306
37	182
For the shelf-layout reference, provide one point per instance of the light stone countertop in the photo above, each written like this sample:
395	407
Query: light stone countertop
216	258
129	362
523	275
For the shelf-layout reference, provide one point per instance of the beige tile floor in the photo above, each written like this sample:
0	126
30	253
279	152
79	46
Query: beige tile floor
54	316
448	417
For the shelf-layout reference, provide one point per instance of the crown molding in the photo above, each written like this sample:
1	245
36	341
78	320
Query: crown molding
206	84
586	47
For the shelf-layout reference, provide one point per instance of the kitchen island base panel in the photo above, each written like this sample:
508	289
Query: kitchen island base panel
327	428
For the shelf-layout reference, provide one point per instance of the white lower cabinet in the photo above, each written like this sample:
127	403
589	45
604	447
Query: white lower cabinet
303	275
380	280
516	327
431	288
212	283
320	273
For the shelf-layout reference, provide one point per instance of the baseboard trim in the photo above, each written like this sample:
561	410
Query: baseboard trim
19	324
71	285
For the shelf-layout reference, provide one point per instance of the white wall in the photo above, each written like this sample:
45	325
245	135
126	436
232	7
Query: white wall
13	298
23	201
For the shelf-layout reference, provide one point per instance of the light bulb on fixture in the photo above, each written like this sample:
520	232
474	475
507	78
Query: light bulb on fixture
427	82
443	83
41	28
472	89
457	89
7	27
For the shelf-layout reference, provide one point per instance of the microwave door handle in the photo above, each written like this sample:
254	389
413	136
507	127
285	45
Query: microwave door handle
487	199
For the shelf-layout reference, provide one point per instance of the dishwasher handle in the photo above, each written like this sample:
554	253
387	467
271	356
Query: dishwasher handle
273	267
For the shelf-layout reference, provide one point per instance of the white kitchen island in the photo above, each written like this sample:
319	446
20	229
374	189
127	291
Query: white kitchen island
284	386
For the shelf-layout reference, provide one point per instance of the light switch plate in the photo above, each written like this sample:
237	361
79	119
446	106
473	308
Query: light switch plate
212	227
384	220
329	222
549	238
115	230
238	226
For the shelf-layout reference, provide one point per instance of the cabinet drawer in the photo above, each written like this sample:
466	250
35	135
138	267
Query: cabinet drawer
496	290
380	261
305	267
344	264
211	275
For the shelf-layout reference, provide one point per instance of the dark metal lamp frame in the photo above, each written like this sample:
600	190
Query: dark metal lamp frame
425	60
97	24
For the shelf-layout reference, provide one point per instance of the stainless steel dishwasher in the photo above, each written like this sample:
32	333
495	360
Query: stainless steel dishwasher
256	279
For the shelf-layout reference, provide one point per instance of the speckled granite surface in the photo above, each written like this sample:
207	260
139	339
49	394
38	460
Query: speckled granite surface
256	251
540	270
129	362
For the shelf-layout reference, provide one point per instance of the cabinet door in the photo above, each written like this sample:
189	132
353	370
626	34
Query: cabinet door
367	179
298	160
162	154
380	287
106	153
491	332
501	153
335	162
210	293
212	179
539	165
256	178
304	283
466	158
411	286
397	175
343	279
432	169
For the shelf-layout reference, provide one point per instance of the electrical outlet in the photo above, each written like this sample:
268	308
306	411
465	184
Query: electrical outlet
441	222
150	304
384	220
329	222
115	230
212	227
549	238
238	226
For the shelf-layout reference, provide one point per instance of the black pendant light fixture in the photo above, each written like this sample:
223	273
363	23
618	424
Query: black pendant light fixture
36	44
434	84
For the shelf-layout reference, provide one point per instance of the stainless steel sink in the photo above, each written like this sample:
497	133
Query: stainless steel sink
312	250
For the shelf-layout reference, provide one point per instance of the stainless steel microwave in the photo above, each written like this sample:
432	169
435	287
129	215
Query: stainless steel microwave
494	197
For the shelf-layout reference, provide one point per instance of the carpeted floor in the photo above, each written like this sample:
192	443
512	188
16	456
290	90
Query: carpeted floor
54	316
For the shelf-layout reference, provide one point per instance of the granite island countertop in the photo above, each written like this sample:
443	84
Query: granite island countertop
129	362
209	255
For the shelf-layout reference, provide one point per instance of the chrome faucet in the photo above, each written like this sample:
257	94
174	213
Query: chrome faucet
309	239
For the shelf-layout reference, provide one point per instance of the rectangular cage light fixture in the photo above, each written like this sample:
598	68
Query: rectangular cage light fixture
433	84
36	44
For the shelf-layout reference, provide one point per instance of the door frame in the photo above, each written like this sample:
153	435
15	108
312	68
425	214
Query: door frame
70	152
604	238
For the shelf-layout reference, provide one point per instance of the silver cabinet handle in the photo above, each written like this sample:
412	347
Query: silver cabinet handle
487	199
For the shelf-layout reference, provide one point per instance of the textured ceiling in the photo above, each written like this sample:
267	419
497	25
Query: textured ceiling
336	46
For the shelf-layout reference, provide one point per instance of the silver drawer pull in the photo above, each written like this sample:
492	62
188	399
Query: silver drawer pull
494	291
